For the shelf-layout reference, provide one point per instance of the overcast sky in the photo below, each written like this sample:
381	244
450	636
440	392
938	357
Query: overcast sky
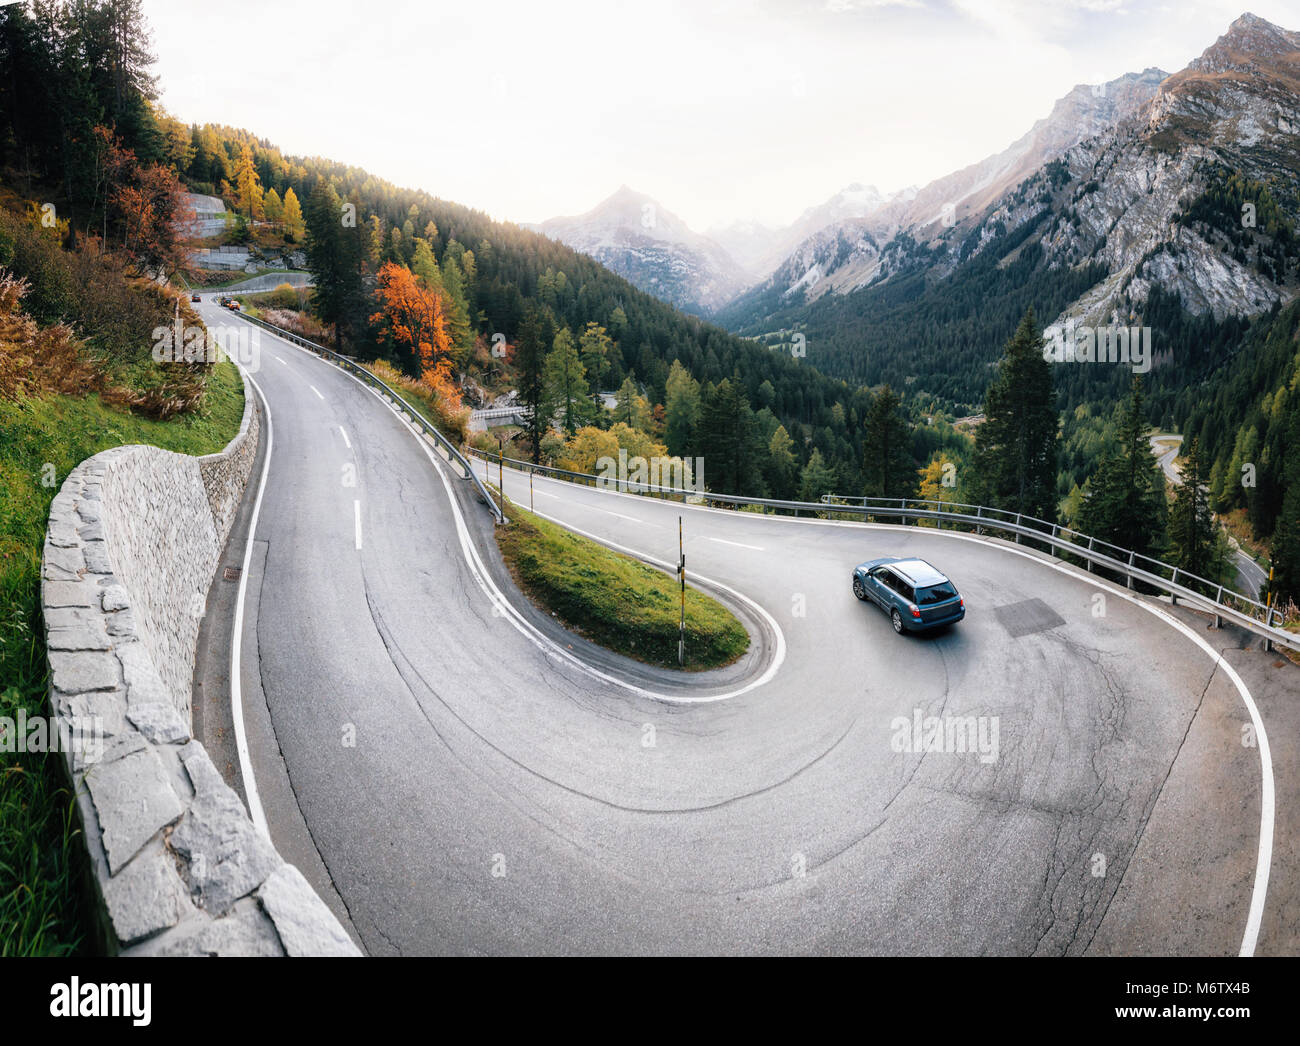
720	109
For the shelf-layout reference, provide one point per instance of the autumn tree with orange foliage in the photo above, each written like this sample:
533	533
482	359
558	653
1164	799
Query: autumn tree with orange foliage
416	319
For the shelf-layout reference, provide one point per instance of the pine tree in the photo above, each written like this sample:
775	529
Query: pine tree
294	228
817	478
781	463
1016	446
1126	502
273	207
888	465
462	332
536	335
1285	587
248	186
566	382
681	410
728	439
1191	523
595	344
334	259
630	407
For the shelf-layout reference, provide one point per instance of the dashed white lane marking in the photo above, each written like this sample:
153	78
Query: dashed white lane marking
356	511
315	390
738	544
630	519
345	437
278	360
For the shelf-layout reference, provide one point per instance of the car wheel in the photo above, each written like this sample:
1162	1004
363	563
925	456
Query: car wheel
897	619
858	590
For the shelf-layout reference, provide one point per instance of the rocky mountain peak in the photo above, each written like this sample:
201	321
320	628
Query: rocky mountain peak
1249	44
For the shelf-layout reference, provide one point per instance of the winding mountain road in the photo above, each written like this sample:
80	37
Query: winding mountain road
456	775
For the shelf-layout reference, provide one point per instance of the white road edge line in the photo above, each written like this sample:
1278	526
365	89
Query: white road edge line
345	437
236	640
356	512
277	359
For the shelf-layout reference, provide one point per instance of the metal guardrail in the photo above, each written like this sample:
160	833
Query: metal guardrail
417	419
1133	567
498	412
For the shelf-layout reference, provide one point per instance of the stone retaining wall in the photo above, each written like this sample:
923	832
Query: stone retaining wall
134	538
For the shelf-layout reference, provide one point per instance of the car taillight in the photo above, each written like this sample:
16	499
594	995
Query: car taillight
963	603
916	611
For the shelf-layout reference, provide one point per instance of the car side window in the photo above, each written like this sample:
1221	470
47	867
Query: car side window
900	586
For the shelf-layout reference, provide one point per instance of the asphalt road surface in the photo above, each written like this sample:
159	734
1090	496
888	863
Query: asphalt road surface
454	778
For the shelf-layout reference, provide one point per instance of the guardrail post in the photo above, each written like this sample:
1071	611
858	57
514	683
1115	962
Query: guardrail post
1017	532
1051	549
1173	596
1130	568
1268	623
1090	543
1218	601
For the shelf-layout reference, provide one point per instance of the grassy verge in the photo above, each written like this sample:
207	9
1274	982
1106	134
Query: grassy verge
43	439
615	600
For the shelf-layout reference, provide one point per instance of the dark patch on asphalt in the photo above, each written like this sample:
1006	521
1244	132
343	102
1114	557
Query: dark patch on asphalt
1027	617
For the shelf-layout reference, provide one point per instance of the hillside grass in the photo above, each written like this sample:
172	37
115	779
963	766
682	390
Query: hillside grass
615	600
41	864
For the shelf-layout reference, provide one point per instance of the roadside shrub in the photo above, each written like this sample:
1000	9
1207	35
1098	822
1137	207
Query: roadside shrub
452	422
36	359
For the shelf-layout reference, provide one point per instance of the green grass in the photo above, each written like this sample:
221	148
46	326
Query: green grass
41	440
615	600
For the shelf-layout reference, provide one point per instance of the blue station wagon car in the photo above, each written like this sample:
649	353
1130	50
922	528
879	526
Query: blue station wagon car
914	595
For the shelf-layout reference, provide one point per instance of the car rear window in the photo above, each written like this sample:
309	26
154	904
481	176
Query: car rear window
936	594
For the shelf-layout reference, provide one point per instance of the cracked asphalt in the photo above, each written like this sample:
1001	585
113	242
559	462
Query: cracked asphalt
450	786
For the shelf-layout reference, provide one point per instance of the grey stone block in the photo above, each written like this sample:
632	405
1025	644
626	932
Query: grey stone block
114	598
90	635
142	682
76	671
70	617
96	556
158	721
305	925
247	931
133	801
69	594
228	856
61	532
121	624
89	511
63	564
146	897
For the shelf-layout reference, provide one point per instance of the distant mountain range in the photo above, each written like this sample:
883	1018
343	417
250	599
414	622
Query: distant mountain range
1163	201
1185	184
648	245
835	245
